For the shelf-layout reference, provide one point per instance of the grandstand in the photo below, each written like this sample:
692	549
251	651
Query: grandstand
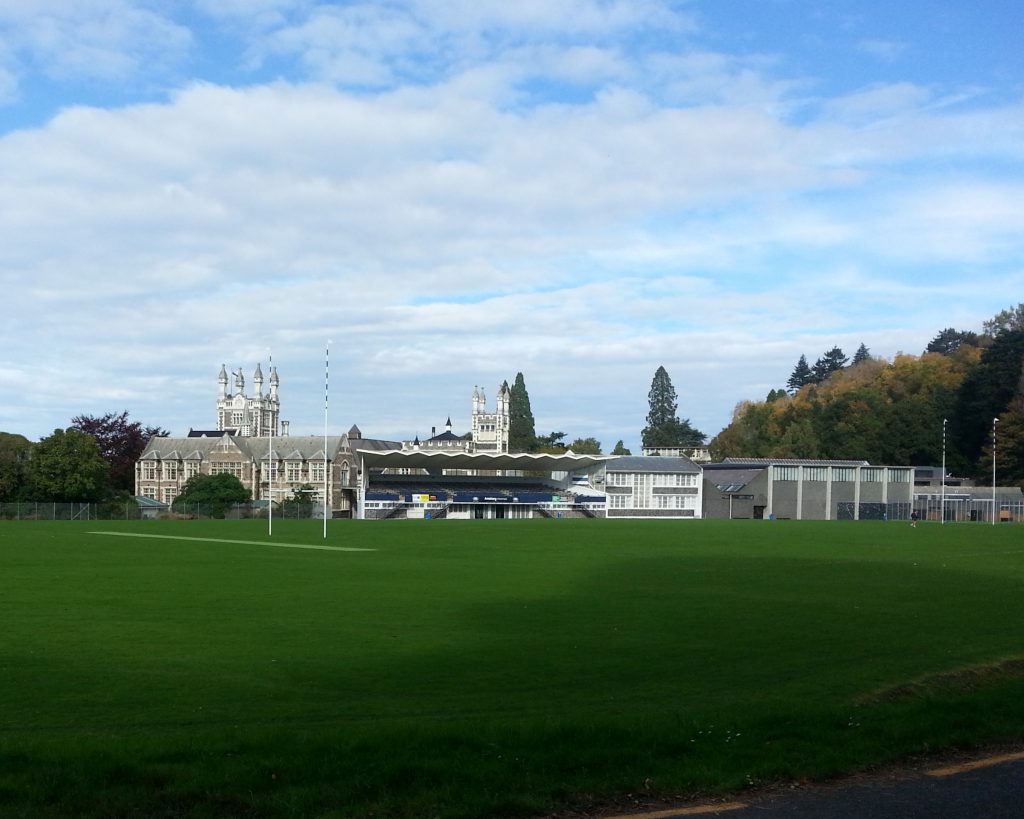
435	484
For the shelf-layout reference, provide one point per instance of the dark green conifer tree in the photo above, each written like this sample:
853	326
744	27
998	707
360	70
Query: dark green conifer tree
663	425
832	361
801	376
522	435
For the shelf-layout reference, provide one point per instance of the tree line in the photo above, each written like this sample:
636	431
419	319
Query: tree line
866	409
91	461
896	411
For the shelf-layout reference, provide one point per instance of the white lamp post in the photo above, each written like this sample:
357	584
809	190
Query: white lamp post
942	508
270	467
994	422
327	500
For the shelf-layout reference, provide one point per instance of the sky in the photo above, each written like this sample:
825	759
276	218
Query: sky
446	193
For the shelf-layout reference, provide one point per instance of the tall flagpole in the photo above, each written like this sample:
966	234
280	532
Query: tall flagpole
327	370
270	465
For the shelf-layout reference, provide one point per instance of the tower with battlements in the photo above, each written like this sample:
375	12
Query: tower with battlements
250	416
490	429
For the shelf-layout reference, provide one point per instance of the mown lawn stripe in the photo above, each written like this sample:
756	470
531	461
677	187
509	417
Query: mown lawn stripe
316	546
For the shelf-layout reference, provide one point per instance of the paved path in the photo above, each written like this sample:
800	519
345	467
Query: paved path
990	788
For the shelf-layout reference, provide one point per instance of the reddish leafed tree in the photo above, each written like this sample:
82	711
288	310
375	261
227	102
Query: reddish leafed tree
120	442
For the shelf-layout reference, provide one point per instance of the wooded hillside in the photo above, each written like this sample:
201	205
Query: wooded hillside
892	412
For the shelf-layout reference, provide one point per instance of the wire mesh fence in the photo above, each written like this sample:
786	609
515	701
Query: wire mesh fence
130	510
956	510
969	509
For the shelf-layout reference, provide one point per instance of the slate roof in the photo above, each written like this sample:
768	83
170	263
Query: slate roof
785	462
730	479
285	447
651	463
446	436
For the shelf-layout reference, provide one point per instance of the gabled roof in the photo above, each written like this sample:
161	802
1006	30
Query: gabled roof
447	435
306	447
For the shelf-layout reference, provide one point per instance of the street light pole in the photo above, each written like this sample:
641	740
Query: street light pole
270	464
942	509
994	422
327	486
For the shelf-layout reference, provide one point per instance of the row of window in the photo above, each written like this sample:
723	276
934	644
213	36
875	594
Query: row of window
844	474
168	495
294	471
656	502
654	479
169	470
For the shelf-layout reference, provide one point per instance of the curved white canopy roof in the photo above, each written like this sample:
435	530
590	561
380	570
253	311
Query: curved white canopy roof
421	459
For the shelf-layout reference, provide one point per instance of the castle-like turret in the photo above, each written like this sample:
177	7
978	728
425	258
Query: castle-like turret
490	429
254	415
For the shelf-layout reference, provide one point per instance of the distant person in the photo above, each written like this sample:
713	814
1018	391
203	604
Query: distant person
913	519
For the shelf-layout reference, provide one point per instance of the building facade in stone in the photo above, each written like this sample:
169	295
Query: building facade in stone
253	444
250	416
270	468
490	429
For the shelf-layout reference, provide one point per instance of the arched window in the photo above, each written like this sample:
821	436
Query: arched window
344	473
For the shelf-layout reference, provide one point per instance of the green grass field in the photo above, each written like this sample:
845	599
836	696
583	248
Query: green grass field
467	669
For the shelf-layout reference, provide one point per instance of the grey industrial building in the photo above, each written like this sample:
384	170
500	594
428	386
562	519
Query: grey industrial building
806	489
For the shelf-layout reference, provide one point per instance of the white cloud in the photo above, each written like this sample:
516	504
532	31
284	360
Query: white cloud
886	50
380	44
650	208
869	104
98	40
